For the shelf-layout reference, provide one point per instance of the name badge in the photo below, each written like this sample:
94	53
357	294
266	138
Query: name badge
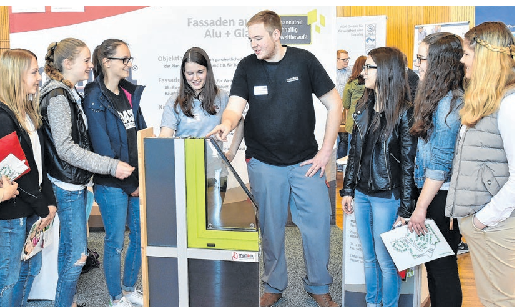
260	90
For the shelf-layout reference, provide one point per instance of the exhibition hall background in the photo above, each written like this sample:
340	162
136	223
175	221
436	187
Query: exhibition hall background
400	23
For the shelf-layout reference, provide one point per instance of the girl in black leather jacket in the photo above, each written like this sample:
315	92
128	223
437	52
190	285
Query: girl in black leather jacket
379	174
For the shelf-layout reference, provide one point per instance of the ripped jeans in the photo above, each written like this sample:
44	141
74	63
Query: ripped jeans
71	208
119	209
16	276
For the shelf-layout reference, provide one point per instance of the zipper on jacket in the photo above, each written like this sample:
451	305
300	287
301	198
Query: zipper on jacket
460	145
391	154
386	161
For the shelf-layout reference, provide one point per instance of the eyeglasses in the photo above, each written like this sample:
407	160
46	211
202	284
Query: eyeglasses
344	60
420	59
125	61
367	67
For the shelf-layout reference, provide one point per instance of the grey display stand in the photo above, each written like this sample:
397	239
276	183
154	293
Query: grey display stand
174	274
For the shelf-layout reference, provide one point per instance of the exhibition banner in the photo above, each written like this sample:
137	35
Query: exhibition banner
359	35
158	37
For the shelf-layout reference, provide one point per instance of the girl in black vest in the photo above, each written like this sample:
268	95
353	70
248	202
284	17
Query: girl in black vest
69	157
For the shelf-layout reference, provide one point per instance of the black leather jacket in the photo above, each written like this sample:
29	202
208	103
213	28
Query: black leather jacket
392	162
58	168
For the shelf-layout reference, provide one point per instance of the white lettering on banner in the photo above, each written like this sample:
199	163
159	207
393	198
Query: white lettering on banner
211	22
128	119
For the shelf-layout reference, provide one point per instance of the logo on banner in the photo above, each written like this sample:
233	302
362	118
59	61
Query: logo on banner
243	257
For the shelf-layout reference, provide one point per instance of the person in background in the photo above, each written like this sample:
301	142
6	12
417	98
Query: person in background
112	107
19	112
379	173
353	91
412	79
482	188
69	158
278	83
8	189
438	102
342	76
342	70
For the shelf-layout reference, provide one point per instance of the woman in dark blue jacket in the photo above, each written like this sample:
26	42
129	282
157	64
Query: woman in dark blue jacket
112	107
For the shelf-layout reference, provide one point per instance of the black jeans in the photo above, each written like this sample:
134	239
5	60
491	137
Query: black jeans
442	273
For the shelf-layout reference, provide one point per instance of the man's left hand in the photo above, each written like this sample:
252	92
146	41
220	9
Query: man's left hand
318	162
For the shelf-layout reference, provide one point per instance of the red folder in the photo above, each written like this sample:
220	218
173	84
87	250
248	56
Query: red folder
10	144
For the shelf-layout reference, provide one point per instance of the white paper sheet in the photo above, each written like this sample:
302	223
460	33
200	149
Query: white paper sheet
408	249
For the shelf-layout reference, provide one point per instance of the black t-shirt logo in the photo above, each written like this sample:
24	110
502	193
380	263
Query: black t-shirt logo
127	118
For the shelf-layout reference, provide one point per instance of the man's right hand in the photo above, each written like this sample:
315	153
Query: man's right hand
220	132
123	170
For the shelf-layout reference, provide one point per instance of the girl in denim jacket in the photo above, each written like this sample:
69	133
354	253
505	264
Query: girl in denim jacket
436	123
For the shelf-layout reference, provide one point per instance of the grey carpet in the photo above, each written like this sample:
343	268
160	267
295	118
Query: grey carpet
92	288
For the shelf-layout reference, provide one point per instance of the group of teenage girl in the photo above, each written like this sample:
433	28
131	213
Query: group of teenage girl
72	141
447	156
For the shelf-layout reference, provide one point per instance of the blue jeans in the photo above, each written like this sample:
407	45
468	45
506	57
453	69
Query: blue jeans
71	208
119	209
16	276
310	207
376	214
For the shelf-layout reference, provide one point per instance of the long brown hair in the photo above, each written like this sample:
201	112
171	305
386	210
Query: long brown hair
14	64
186	94
391	89
444	73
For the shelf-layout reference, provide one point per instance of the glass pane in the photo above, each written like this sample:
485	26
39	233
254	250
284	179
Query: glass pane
229	204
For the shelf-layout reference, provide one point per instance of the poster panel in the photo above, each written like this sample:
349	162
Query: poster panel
359	35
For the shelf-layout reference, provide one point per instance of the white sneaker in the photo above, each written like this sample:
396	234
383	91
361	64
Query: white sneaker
123	302
135	297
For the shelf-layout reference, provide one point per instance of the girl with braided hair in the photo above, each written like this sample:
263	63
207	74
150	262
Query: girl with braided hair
69	157
482	188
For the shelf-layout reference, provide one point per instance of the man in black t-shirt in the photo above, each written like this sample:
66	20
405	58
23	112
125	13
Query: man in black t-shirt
278	83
